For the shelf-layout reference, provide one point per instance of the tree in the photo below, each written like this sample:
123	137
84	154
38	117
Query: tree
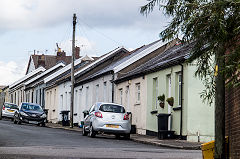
214	28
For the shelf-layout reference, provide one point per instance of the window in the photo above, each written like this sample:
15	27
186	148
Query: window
21	96
80	96
138	90
112	108
32	96
61	98
155	92
11	98
87	89
105	91
40	98
51	98
66	98
127	97
97	92
121	96
18	97
179	89
48	98
43	98
36	96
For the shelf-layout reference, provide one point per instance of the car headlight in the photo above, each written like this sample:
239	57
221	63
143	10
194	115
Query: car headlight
24	114
43	116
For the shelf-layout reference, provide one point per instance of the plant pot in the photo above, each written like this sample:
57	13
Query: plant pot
170	103
161	104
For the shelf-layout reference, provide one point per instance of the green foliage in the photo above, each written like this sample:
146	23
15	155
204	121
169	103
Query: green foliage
170	101
213	26
161	98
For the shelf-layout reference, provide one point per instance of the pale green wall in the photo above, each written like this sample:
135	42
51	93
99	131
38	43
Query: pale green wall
197	117
200	115
163	89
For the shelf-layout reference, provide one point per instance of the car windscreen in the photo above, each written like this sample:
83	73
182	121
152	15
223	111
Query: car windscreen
31	107
112	108
9	105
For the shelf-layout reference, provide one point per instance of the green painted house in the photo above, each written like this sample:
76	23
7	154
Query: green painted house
169	74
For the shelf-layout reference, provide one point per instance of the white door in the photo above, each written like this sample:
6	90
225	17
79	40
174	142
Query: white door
169	107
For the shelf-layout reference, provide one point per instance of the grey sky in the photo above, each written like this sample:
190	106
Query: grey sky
102	25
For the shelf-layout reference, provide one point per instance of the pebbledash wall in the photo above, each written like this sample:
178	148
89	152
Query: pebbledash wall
233	121
90	92
52	103
132	95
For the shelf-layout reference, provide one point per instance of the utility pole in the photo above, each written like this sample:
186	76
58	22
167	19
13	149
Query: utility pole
72	71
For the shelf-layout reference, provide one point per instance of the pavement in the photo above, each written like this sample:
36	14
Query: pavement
150	140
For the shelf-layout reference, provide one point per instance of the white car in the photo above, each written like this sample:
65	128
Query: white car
9	109
109	118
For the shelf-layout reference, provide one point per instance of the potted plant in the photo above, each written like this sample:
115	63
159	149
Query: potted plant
170	101
161	99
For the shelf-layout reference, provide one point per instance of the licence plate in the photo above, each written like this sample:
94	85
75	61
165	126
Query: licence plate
112	126
33	122
10	110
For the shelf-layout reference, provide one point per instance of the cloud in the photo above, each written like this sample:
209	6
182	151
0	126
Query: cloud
25	14
86	47
11	72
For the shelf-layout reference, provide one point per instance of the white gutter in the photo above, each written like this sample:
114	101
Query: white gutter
39	69
44	73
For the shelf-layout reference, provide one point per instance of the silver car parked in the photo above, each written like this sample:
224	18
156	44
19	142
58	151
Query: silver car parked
8	110
109	118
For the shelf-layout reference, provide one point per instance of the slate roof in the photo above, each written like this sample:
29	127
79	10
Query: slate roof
172	56
50	60
116	63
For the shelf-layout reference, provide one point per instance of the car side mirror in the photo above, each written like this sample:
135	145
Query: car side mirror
129	113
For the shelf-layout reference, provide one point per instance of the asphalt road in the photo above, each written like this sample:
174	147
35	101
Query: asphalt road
30	142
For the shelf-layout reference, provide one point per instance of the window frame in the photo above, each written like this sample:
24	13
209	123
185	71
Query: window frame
179	89
155	92
138	93
121	95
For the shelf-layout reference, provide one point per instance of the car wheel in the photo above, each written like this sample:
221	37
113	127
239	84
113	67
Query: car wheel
19	121
43	124
14	120
84	133
117	136
127	136
92	133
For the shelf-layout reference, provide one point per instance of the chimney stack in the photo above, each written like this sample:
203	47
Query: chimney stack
77	52
41	60
60	56
61	53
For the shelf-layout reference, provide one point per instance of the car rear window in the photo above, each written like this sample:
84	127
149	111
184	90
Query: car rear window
9	105
112	108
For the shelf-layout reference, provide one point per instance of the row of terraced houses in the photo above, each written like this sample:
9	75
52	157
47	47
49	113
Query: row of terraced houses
133	79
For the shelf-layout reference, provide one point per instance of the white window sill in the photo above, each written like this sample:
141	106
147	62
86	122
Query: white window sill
177	108
137	103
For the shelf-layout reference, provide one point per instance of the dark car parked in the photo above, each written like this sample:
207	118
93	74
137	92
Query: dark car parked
30	113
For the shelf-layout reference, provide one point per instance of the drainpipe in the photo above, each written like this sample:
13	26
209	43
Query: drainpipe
112	86
181	120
